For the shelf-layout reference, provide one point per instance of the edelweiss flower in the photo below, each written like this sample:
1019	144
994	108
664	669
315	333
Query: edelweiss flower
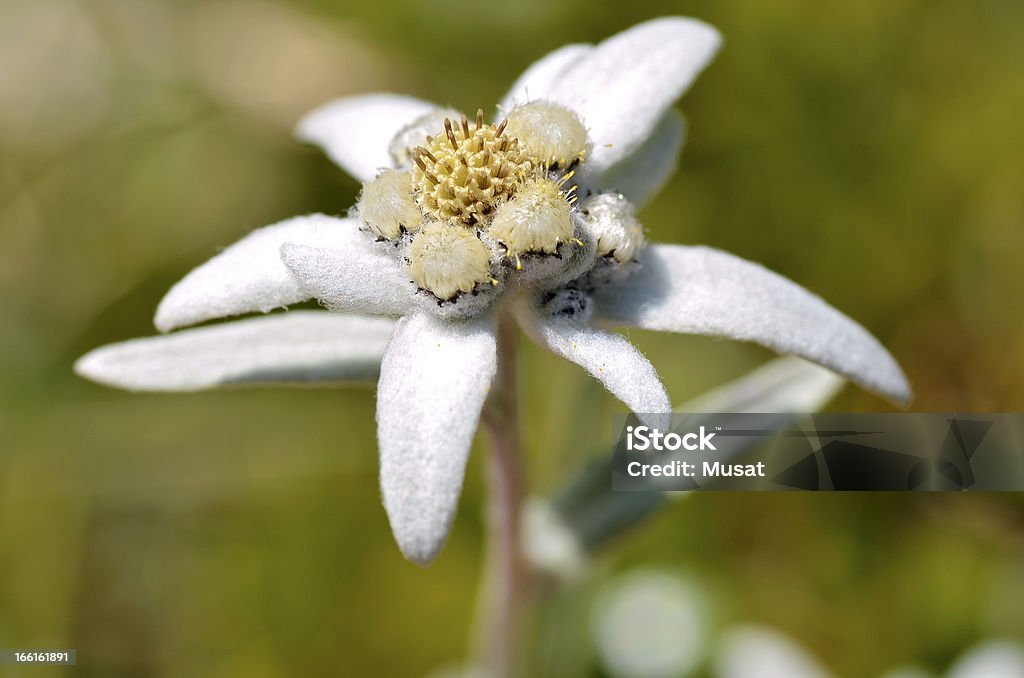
464	223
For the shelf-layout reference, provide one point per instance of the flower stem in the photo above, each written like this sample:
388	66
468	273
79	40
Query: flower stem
504	583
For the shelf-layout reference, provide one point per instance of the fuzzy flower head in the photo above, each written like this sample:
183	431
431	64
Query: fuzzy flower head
474	210
468	205
528	217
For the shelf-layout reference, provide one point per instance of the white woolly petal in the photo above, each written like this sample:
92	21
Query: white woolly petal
356	132
300	347
351	280
641	175
541	77
623	86
433	382
759	652
991	659
249	276
786	384
698	290
608	357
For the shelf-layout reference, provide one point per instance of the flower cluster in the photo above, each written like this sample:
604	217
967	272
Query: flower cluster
478	200
464	222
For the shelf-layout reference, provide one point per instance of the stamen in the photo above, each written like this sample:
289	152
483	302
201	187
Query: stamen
564	179
465	127
450	133
427	153
479	118
501	128
419	161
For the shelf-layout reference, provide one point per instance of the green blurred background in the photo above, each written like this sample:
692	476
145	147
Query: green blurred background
871	151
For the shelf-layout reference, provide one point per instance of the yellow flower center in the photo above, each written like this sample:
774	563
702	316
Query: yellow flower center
465	174
480	201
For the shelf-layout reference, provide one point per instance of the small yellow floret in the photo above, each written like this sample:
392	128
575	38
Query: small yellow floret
387	205
536	220
445	259
612	220
551	133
